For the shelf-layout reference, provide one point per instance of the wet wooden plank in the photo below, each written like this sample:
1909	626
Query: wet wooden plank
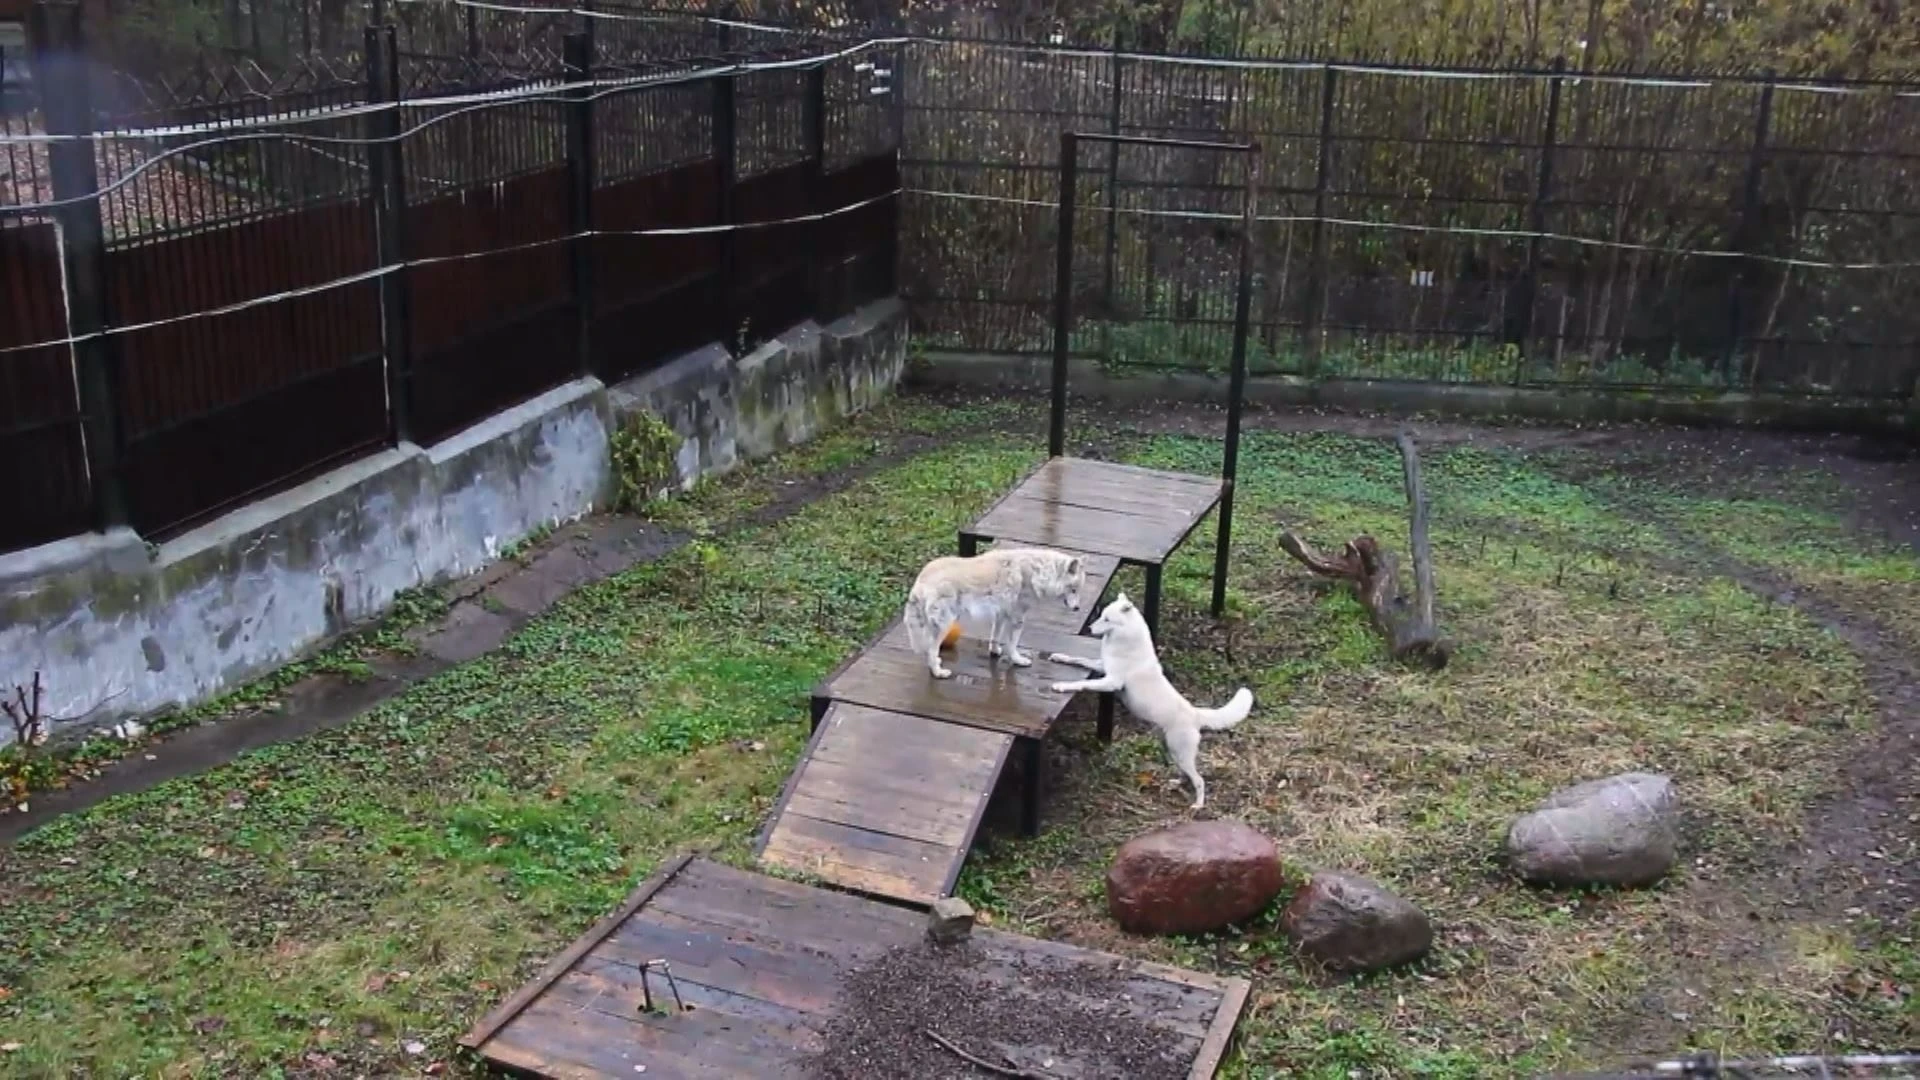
1139	515
885	802
871	862
1220	1033
983	693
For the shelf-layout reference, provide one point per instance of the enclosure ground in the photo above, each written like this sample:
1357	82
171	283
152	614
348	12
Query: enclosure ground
1741	611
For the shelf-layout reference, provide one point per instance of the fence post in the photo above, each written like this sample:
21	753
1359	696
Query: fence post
577	56
1317	273
60	67
1113	205
1063	293
1743	238
725	163
815	110
1520	315
386	177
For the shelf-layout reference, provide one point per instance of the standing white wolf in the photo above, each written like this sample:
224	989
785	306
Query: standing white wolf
994	590
1129	665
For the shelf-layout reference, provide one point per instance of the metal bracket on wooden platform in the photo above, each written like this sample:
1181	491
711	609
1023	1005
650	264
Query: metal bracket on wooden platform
646	988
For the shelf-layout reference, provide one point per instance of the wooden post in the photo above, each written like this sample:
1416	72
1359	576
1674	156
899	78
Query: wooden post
1743	238
577	52
1063	293
385	171
1314	337
60	67
1520	315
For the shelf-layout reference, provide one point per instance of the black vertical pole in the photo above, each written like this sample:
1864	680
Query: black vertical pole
1063	293
725	160
1317	272
1113	194
1743	238
725	164
818	250
577	56
473	33
389	194
60	67
1236	384
1520	315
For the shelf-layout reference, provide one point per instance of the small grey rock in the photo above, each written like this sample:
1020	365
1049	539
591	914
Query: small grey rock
1350	923
1622	830
950	922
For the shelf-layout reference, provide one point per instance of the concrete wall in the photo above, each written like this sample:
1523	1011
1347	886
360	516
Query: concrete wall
1087	378
117	628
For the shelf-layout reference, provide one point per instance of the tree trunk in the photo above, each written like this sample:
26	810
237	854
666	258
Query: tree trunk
1406	621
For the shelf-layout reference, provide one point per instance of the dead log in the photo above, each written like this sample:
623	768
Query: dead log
1406	621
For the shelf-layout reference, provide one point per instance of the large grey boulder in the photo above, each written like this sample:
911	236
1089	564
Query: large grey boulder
1349	923
1622	830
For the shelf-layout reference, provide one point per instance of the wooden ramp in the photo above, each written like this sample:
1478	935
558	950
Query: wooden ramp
760	965
891	790
885	802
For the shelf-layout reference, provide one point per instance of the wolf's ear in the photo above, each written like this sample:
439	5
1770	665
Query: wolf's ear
1122	602
1073	566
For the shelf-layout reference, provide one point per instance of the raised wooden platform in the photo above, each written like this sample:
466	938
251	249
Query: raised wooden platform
761	964
885	803
1139	516
985	692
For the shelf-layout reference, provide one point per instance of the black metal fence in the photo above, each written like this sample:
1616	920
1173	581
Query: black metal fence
208	296
1532	227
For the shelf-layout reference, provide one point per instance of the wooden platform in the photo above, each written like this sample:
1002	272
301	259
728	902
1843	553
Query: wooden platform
761	962
984	692
1138	516
885	803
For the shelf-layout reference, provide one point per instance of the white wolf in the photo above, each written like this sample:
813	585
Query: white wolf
995	590
1129	665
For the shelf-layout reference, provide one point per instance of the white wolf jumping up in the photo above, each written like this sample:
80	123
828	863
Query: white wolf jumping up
1128	664
995	590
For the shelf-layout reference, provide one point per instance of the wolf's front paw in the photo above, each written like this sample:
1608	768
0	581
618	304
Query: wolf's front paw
1020	659
1059	658
993	648
1061	688
941	673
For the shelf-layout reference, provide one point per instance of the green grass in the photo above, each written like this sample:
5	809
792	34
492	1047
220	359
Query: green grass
387	882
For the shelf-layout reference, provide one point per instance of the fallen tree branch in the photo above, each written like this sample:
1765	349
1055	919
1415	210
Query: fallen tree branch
1018	1074
1407	622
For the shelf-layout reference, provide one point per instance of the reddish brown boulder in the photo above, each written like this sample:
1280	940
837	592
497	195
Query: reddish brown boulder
1193	878
1349	923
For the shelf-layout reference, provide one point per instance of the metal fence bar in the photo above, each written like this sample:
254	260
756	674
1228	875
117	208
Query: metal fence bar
1063	295
1313	334
1520	315
67	94
1741	280
386	169
580	174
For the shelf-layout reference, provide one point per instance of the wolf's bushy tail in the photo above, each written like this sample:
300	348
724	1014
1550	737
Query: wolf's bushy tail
1226	715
